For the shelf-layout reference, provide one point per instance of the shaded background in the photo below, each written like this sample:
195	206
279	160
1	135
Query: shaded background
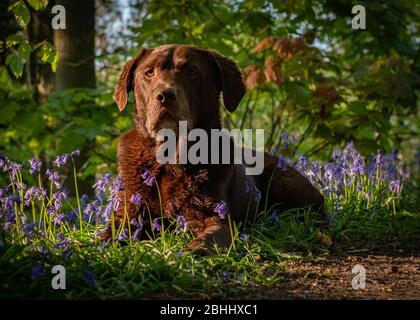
307	73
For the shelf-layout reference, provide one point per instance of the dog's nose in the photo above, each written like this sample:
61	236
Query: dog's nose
166	95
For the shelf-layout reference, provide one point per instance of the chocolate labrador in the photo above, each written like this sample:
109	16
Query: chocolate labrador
174	83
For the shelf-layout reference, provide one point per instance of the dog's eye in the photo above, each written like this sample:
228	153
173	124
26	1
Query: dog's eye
191	72
149	73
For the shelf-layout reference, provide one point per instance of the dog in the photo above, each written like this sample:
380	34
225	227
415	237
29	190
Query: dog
173	83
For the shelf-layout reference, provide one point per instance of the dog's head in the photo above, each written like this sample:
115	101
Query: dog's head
173	83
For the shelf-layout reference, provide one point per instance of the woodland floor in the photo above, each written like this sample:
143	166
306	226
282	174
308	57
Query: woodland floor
392	272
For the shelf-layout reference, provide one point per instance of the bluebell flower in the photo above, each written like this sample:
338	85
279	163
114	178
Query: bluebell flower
54	177
58	219
63	241
38	271
225	276
117	184
303	161
281	163
122	236
35	166
181	224
149	179
138	224
84	199
28	230
244	237
58	198
75	153
395	186
61	160
136	199
32	193
246	186
251	187
221	209
44	252
67	253
105	244
15	168
102	183
89	278
273	219
156	225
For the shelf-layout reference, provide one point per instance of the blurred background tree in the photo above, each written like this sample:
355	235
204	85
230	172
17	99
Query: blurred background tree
307	72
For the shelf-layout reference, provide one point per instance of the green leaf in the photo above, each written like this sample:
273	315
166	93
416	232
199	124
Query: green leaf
4	77
13	40
15	64
358	108
49	55
38	4
24	49
22	14
298	92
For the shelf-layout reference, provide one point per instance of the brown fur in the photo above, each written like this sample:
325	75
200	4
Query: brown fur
192	190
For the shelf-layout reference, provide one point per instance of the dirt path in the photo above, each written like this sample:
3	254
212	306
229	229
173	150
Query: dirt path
392	272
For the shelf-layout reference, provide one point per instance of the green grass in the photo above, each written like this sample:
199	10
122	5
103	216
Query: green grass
155	268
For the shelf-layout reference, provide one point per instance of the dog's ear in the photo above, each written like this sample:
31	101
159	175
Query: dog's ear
232	84
126	82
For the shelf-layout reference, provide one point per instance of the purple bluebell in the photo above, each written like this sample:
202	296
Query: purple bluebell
117	184
281	163
28	230
358	166
395	186
58	198
67	253
273	219
44	252
15	168
38	271
303	161
246	186
105	244
148	178
32	193
63	241
100	186
61	160
58	219
89	278
244	237
225	276
221	209
84	199
75	153
4	163
122	236
156	225
136	199
181	224
35	166
54	177
138	224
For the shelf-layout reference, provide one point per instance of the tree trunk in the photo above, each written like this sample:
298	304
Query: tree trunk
76	46
76	67
40	76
